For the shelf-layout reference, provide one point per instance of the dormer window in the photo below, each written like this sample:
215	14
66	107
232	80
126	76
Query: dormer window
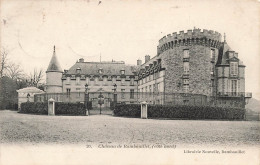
100	71
122	72
78	70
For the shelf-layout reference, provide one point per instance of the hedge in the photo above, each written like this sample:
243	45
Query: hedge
34	108
70	109
181	112
129	110
60	108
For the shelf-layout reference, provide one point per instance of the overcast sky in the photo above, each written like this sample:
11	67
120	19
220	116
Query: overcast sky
123	30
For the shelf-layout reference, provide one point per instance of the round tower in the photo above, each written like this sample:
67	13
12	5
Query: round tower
54	75
189	59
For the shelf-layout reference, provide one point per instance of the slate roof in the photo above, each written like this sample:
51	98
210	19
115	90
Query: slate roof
109	68
223	56
54	65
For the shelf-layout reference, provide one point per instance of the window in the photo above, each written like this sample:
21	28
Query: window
68	92
186	53
78	80
233	68
114	80
123	81
132	93
185	88
96	80
68	80
122	71
100	71
212	53
73	77
122	93
233	87
78	70
78	92
186	81
132	81
82	77
186	67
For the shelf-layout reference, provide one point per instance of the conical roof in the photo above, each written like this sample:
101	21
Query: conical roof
54	65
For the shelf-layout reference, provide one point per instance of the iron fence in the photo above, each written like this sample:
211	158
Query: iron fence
149	97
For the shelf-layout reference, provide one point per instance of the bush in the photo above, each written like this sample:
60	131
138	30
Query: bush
34	108
181	112
70	109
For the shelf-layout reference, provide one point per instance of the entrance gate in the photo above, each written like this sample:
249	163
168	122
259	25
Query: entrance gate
101	102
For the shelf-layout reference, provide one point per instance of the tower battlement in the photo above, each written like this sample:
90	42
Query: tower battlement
191	34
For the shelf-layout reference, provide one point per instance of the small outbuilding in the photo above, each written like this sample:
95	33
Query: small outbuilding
27	95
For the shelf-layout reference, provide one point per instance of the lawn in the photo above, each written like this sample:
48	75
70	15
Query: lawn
106	129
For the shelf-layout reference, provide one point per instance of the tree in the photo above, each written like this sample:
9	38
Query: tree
36	77
14	71
3	59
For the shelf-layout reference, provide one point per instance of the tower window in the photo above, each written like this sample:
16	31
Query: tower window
185	88
186	67
212	53
186	53
186	81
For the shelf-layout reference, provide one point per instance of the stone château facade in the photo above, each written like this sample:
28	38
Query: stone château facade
195	63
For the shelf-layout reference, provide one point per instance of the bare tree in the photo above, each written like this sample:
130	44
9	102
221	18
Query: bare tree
14	71
3	60
36	77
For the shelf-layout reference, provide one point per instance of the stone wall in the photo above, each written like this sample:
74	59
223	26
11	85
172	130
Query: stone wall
199	69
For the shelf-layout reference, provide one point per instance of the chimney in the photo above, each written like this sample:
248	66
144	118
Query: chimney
147	58
81	60
139	62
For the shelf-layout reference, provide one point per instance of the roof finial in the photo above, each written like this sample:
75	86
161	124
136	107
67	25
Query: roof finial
224	37
54	49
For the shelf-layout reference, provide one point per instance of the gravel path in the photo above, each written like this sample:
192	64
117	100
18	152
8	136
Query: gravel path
103	129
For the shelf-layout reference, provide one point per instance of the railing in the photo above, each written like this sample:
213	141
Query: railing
222	99
234	94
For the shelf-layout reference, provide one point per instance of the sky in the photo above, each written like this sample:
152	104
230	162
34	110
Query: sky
123	30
